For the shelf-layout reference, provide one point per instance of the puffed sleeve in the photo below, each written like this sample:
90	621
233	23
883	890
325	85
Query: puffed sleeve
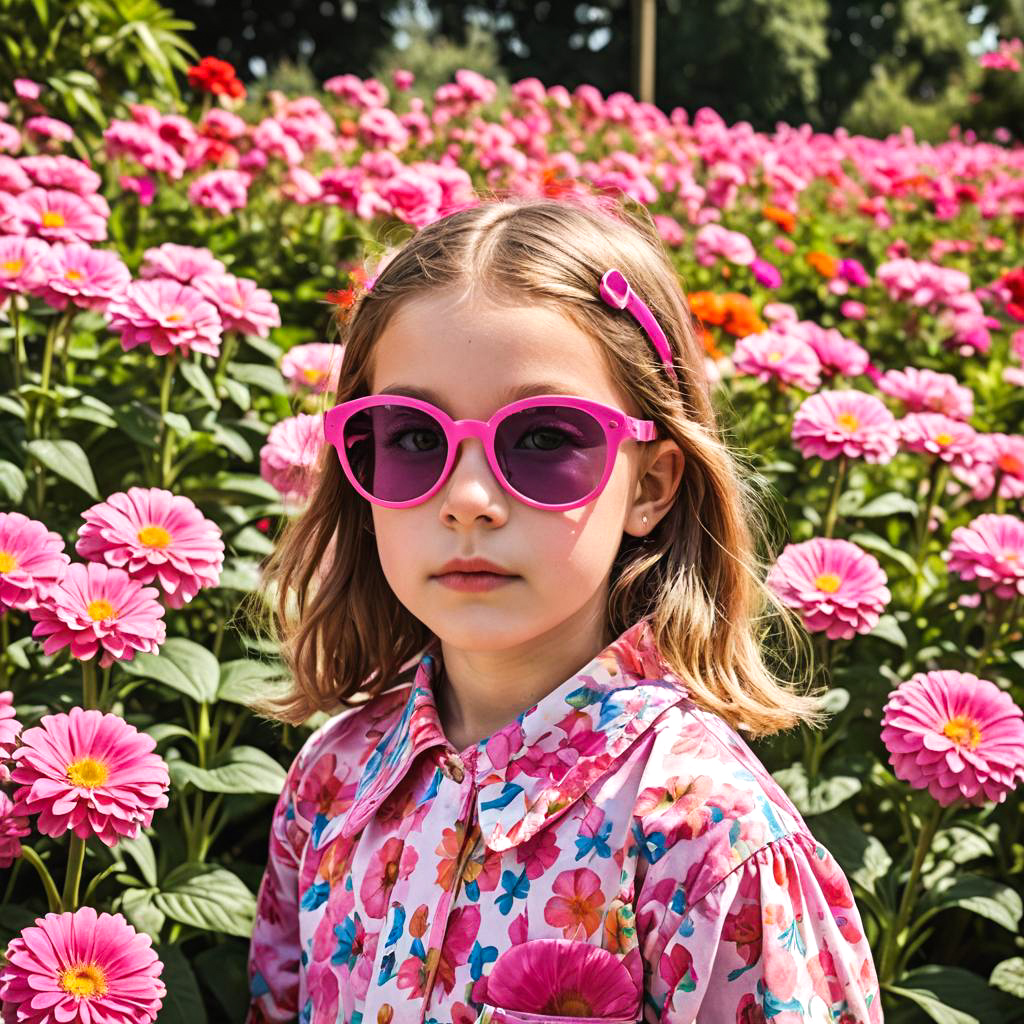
779	938
274	948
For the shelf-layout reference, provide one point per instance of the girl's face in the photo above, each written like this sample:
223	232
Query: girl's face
470	354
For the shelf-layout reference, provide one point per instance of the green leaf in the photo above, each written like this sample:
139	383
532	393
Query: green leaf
168	730
208	897
137	905
183	1003
250	539
67	460
951	995
891	504
1009	976
224	969
198	381
267	378
13	484
238	393
825	794
860	854
244	679
978	894
246	770
183	665
12	406
140	849
887	628
240	574
872	542
178	423
233	441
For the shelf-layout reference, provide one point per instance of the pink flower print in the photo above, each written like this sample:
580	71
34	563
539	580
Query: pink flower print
322	984
395	860
677	969
538	853
452	842
320	790
463	928
559	978
743	928
503	745
577	903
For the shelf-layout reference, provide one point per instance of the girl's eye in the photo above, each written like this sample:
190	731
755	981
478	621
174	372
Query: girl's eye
546	439
419	439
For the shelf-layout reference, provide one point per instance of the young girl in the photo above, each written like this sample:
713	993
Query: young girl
529	553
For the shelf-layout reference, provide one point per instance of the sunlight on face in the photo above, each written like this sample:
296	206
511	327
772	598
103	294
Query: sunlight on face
471	354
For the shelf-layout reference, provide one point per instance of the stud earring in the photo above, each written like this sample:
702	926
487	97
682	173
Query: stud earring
644	520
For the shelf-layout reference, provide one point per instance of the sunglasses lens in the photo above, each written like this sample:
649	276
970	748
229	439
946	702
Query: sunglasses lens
552	454
395	452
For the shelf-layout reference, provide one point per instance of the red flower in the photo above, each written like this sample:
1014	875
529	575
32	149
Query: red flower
1014	283
214	75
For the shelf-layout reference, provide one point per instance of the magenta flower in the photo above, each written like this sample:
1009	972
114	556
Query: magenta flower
98	606
144	145
84	276
25	264
290	459
772	355
166	315
670	229
994	453
13	828
182	262
27	89
989	549
9	729
837	587
222	191
931	433
242	304
850	423
61	216
314	366
81	968
49	128
59	171
155	536
90	773
766	274
958	736
928	391
714	241
32	562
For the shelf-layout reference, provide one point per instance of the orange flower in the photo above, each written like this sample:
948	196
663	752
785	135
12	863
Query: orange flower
742	318
709	307
823	263
553	185
785	219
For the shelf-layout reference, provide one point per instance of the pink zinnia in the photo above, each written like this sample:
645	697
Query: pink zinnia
958	736
61	171
155	535
713	241
837	587
24	265
995	452
81	968
32	562
90	773
928	391
243	305
222	191
836	352
931	433
9	729
13	828
290	458
182	262
98	606
850	423
61	216
990	550
166	314
773	355
84	276
315	366
766	274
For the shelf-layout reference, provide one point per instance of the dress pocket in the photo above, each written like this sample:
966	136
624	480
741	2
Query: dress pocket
497	1015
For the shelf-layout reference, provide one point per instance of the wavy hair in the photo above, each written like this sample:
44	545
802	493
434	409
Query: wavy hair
699	580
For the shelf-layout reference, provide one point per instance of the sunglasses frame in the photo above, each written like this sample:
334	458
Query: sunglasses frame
617	426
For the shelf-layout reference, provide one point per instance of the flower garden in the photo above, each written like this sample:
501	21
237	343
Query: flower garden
168	285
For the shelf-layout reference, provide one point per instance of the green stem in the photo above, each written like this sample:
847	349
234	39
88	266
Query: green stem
52	896
166	447
894	937
993	627
76	857
227	350
89	684
19	354
833	503
5	642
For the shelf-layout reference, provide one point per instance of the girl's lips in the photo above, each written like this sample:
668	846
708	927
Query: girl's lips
474	581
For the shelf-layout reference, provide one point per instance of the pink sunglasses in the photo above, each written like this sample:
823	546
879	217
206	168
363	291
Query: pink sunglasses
551	452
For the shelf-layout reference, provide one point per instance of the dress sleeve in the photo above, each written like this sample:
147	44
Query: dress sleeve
779	938
274	948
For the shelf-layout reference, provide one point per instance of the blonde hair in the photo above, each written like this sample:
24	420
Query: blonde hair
341	631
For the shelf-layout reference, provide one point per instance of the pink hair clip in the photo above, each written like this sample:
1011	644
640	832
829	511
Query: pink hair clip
615	290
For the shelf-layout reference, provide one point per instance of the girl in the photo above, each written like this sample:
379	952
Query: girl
528	551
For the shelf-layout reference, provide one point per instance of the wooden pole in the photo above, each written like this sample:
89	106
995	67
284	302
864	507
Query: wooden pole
645	15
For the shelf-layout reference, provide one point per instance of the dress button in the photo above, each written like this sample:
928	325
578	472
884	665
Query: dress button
452	767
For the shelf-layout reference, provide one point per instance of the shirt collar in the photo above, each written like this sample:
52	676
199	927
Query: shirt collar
529	772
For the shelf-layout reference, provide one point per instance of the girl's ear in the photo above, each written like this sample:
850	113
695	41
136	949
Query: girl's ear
661	472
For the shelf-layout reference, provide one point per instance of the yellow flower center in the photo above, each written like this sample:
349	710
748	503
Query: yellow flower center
176	317
73	275
154	537
7	562
848	420
12	266
572	1004
774	357
828	581
88	773
84	980
963	731
53	219
312	376
1011	556
100	609
943	438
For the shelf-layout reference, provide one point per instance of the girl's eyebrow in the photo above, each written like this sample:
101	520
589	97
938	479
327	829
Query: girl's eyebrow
512	395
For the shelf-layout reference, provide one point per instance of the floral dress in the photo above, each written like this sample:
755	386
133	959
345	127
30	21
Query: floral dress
614	855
